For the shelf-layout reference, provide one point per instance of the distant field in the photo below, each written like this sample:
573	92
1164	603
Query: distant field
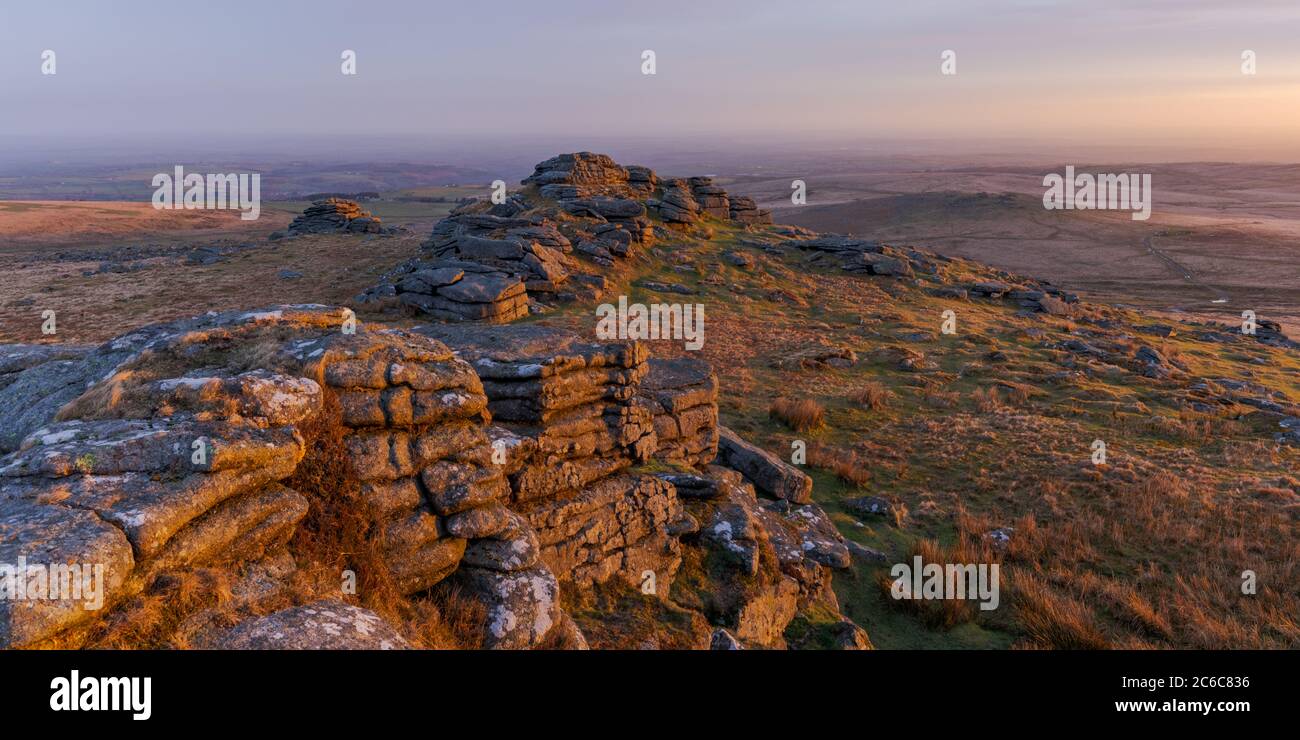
406	206
33	223
25	224
106	264
1221	238
133	182
93	306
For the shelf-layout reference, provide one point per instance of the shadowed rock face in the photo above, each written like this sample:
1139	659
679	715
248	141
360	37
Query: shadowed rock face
37	383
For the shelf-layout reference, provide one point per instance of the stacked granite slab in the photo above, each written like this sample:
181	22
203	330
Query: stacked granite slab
182	455
579	204
621	223
676	203
625	526
586	175
574	399
335	215
596	189
418	443
742	208
686	200
682	394
450	290
532	249
130	497
583	175
641	181
711	198
478	266
567	410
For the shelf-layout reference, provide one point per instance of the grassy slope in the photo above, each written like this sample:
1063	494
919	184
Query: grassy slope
1147	550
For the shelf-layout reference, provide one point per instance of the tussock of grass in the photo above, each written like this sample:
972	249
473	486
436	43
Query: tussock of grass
845	464
943	613
1054	620
873	396
987	400
801	415
154	619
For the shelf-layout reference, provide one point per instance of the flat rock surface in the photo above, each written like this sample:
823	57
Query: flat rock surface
321	625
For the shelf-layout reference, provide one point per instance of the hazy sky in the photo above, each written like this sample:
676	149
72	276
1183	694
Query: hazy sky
1103	71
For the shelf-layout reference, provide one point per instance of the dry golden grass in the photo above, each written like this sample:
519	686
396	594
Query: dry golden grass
939	399
873	396
98	307
338	532
987	400
847	465
801	415
1062	599
153	619
1189	427
943	613
1053	620
70	221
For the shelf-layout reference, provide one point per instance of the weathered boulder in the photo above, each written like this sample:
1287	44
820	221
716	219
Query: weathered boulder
616	526
763	616
238	530
879	264
336	215
59	566
454	290
743	209
320	625
769	473
803	532
15	358
34	390
682	395
580	175
522	606
676	204
606	208
724	640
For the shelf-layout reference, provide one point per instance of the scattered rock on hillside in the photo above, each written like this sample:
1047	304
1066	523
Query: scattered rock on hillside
336	215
